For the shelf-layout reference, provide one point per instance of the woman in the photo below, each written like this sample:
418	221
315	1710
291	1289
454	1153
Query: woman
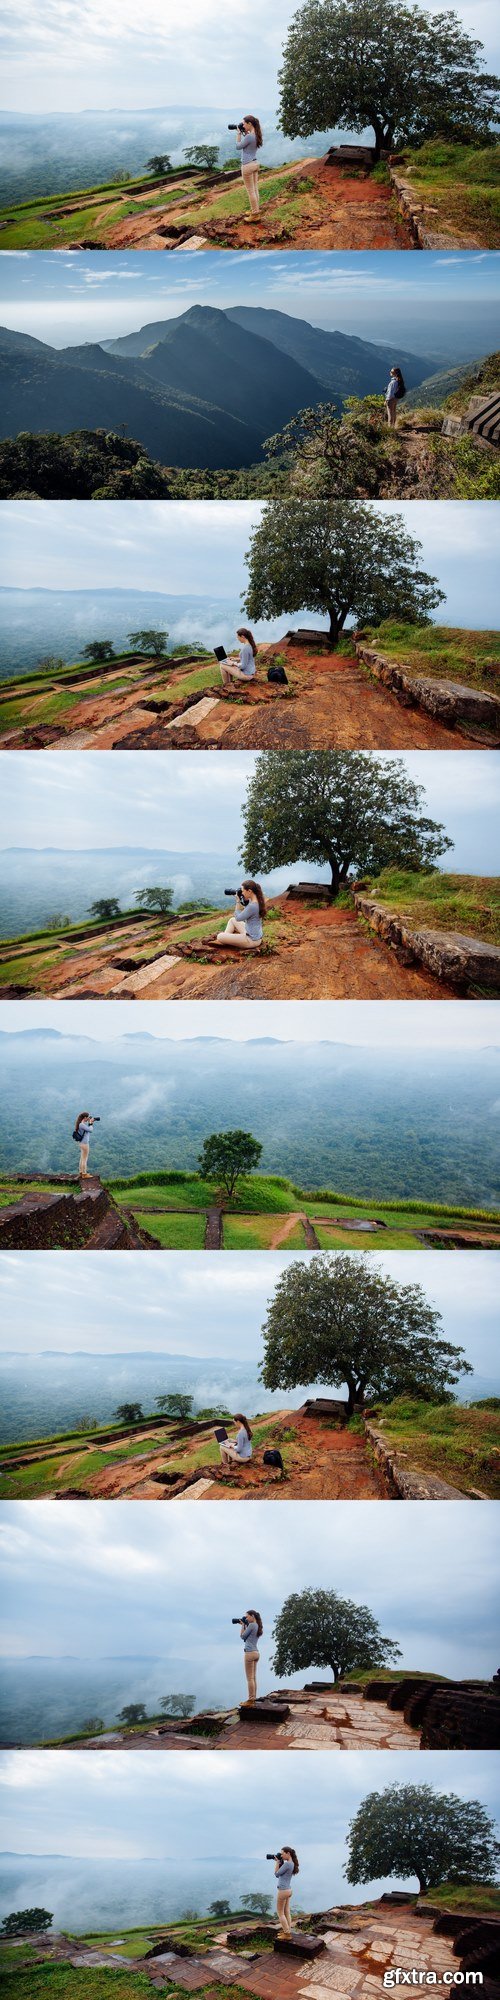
82	1133
286	1867
244	928
395	391
251	1629
241	1450
249	140
243	669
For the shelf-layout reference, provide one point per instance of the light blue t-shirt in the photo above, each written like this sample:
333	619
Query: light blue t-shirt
243	1444
392	389
248	147
250	1636
246	661
284	1875
249	915
84	1130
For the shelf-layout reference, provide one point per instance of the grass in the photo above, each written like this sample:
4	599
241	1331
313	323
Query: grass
175	1232
463	184
441	651
481	1896
13	1190
465	903
52	1981
460	1442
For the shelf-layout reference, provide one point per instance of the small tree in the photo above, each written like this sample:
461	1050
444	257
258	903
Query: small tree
318	1628
129	1413
50	663
203	157
413	1830
408	74
176	1404
160	163
344	807
105	909
57	922
92	1726
132	1713
149	641
99	650
228	1155
20	1922
178	1704
220	1908
258	1904
155	899
341	1319
340	558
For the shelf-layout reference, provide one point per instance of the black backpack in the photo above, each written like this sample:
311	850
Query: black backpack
277	674
274	1458
79	1135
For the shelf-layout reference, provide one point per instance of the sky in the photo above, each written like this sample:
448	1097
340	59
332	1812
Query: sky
122	1307
74	54
443	305
101	1581
187	802
383	1024
128	1807
195	548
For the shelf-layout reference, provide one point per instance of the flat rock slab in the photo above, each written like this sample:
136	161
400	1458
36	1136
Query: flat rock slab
195	1492
192	716
300	1946
451	702
452	956
149	973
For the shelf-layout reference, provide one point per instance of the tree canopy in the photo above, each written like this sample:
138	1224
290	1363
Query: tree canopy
155	899
318	1628
413	1830
176	1404
20	1922
133	1712
340	1318
105	909
178	1704
409	74
340	558
344	807
204	157
99	649
129	1413
160	163
149	641
228	1155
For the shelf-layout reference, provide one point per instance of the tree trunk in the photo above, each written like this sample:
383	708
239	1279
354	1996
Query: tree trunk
351	1399
334	624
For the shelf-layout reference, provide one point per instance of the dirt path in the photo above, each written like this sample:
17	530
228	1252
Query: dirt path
319	955
333	208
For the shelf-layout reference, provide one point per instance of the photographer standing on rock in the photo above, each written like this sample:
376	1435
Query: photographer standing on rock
249	141
251	1629
286	1866
82	1134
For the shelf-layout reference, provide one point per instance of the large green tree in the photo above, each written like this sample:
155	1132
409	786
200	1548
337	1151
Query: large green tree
413	1830
155	898
318	1628
341	1319
228	1155
99	649
149	641
341	558
19	1923
344	807
105	909
407	73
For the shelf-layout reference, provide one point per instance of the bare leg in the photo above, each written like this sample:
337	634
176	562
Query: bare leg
283	1916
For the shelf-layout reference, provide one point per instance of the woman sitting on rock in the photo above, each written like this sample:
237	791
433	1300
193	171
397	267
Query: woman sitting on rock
241	1450
244	928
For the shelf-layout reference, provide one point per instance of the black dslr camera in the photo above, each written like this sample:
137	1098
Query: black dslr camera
236	892
235	128
274	1857
239	1621
96	1120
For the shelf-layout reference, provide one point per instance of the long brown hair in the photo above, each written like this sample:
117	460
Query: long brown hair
242	1420
258	1621
242	632
257	127
291	1850
257	892
81	1114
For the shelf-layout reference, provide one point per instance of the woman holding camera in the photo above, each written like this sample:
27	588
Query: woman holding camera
286	1866
82	1132
251	1629
241	1450
244	928
249	141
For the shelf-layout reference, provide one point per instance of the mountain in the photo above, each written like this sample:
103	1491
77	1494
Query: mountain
239	371
201	390
436	387
344	364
